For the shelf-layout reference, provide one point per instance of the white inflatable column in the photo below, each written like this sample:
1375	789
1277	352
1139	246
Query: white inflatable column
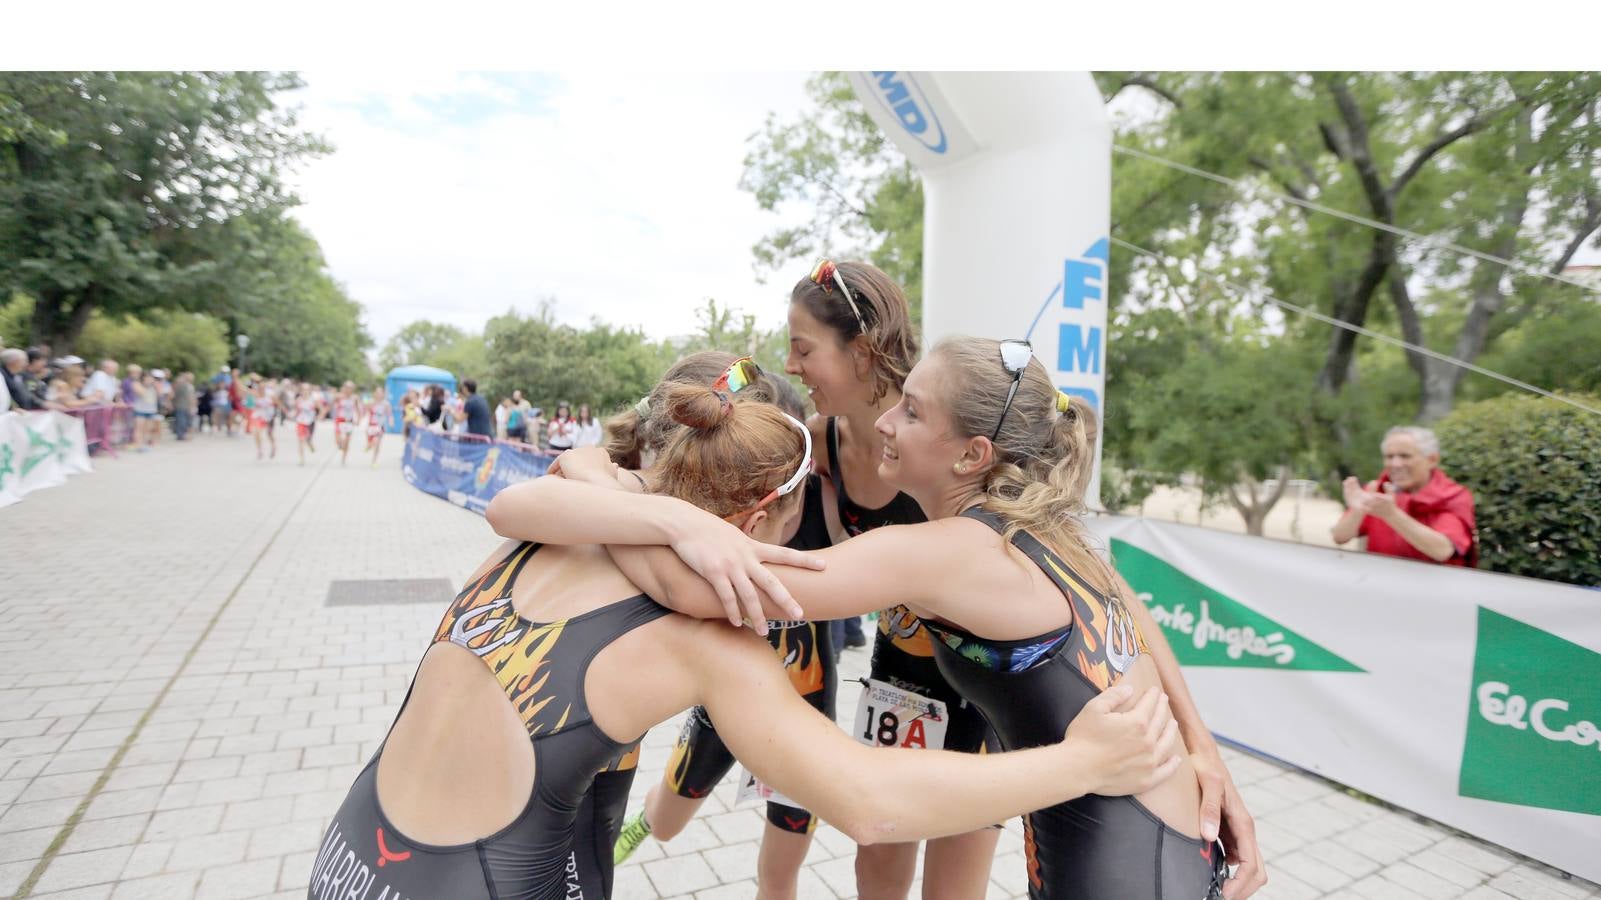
1017	173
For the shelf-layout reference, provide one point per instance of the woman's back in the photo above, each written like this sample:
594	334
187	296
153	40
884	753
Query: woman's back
487	769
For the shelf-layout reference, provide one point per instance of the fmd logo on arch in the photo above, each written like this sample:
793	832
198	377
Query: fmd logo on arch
1080	328
904	98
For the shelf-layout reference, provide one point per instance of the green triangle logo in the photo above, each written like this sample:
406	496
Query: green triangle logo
1209	628
1534	719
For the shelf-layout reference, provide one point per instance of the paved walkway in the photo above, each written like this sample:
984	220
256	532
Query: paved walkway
180	713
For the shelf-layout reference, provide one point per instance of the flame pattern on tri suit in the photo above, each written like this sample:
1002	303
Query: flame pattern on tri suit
1030	690
560	846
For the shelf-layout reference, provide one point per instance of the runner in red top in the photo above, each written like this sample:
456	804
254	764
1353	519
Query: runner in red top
347	411
1413	510
378	413
308	406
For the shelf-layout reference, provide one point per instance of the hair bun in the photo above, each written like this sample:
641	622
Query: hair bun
698	406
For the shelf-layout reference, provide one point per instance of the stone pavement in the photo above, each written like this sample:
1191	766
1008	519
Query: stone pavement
180	712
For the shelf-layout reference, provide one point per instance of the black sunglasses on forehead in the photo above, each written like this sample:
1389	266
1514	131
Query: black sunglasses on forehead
1014	358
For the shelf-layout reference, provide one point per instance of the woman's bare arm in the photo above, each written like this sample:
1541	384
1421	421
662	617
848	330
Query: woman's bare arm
1119	745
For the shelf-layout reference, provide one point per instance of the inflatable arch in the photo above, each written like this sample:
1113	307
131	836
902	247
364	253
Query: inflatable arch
1017	186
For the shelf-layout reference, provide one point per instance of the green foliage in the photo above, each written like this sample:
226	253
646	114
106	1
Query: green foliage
1534	466
419	344
865	198
275	288
1558	350
1221	412
16	321
115	187
603	365
166	339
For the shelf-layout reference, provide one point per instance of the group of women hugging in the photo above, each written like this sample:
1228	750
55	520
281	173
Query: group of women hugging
946	493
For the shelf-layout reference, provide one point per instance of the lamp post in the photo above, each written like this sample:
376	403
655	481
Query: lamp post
243	341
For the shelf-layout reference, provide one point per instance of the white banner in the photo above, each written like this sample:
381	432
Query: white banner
39	450
1469	697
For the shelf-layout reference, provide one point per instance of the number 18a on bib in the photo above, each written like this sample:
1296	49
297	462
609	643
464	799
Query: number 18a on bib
888	716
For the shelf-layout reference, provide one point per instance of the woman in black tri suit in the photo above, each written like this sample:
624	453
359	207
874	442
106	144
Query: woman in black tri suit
1027	621
530	688
700	759
852	342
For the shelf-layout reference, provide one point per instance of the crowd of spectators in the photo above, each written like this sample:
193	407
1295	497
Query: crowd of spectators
512	419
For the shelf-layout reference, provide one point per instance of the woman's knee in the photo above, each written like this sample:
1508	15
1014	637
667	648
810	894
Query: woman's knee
885	871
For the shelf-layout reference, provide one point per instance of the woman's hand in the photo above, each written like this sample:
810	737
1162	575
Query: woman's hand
1123	746
731	563
591	465
1234	825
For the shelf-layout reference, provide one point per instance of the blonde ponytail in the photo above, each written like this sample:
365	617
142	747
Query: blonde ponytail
1043	457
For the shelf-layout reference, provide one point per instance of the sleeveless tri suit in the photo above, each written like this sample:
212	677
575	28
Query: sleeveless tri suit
560	846
1029	690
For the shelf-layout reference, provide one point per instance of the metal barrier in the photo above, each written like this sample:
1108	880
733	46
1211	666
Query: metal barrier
106	427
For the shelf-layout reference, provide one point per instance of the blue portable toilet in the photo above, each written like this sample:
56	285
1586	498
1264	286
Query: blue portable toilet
413	378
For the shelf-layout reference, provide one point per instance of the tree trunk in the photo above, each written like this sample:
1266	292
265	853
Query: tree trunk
1441	379
56	324
1255	510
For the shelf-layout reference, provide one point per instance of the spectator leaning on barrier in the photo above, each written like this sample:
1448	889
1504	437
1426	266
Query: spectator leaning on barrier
36	377
13	362
476	410
1414	510
590	434
5	385
502	413
563	428
522	413
102	386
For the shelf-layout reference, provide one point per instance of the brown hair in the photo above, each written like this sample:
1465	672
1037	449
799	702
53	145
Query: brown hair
891	340
732	452
1043	458
629	433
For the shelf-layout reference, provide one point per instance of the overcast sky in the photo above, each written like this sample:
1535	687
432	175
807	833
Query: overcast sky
454	197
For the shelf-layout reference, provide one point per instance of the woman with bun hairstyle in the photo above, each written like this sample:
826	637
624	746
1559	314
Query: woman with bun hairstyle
1028	621
700	759
531	686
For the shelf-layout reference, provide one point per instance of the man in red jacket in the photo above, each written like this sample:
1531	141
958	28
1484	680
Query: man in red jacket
1413	510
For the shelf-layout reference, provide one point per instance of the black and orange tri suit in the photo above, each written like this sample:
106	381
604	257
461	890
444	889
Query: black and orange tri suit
902	654
1030	690
560	846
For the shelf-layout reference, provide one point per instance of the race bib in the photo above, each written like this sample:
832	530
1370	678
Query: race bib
751	788
888	716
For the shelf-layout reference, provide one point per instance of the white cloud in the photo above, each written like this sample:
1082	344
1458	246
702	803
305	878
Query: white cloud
455	196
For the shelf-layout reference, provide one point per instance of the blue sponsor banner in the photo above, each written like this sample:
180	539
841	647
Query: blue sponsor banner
467	472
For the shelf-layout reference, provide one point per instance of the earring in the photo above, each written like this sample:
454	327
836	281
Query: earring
961	469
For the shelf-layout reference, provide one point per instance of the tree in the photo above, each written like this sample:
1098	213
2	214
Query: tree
605	366
866	199
113	186
272	284
167	339
419	343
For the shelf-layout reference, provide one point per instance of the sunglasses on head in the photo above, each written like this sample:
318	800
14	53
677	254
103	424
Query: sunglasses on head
826	275
1015	356
740	375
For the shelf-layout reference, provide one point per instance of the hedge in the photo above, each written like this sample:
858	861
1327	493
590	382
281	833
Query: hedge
1534	466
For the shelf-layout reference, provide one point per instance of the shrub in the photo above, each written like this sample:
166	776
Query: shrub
1534	466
